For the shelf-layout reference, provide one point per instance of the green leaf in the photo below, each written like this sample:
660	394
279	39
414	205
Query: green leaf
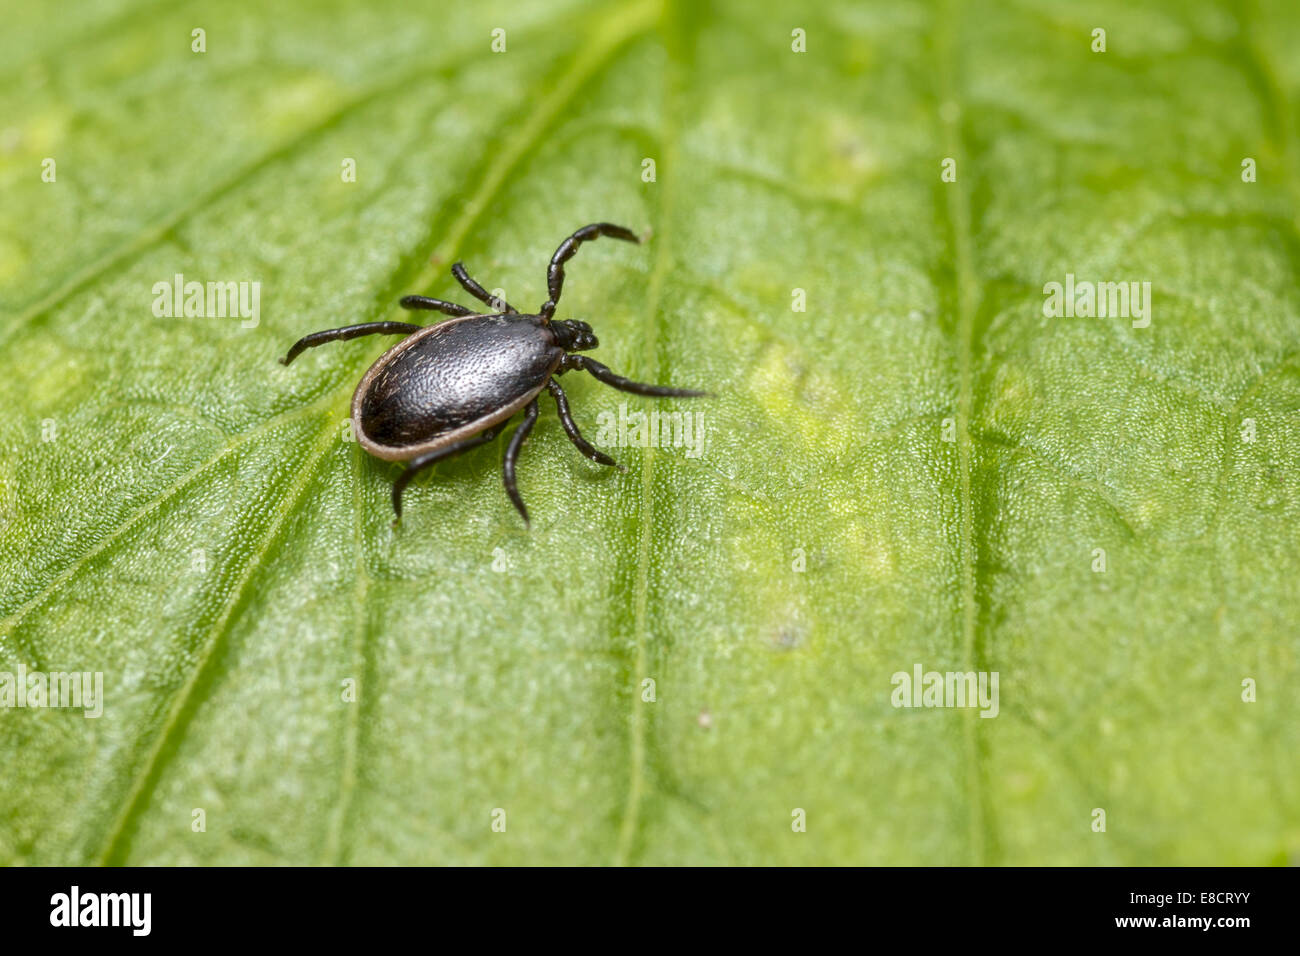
187	517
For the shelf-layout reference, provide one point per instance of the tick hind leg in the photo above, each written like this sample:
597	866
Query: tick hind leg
480	293
555	272
512	455
348	332
571	428
417	465
604	374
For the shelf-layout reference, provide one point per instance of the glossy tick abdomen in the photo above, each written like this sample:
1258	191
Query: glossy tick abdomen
469	371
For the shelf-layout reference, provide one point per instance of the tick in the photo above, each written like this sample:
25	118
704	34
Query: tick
453	386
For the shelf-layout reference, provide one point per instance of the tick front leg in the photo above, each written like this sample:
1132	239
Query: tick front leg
416	465
480	293
434	305
348	332
555	272
603	373
512	455
571	428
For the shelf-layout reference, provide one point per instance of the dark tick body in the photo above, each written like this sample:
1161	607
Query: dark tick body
450	387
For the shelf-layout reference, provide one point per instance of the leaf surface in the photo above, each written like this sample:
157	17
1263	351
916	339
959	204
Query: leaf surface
918	469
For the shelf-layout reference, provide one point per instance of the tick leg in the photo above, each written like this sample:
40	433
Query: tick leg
416	465
603	373
433	305
480	293
571	428
555	272
512	455
349	332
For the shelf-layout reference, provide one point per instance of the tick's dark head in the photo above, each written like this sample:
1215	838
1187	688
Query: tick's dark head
574	336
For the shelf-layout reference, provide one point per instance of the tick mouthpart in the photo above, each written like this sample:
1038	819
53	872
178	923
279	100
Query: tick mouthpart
574	335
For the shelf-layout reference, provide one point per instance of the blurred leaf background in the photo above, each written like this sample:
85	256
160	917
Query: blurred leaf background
185	515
